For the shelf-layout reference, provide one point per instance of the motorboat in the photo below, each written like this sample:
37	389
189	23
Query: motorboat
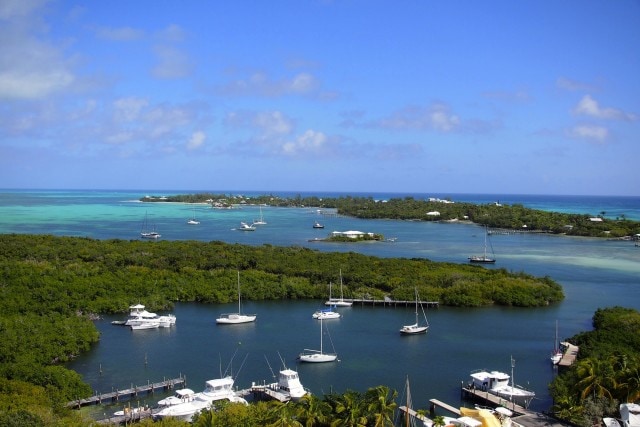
239	317
140	318
338	302
497	383
182	395
326	313
317	225
245	227
416	328
630	414
317	356
289	385
215	390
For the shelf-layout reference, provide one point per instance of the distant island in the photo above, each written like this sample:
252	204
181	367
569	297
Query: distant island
516	218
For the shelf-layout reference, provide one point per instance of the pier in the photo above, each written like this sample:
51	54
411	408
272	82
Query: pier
128	393
569	355
388	302
492	400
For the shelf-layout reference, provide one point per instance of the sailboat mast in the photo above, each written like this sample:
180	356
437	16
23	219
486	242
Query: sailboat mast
239	311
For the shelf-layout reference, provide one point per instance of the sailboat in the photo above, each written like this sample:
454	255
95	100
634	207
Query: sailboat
146	233
416	328
193	220
317	356
556	354
483	259
259	221
233	318
338	302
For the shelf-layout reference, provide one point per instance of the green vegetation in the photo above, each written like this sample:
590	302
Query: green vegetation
52	287
607	372
511	217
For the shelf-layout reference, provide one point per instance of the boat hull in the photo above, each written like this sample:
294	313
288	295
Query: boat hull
233	319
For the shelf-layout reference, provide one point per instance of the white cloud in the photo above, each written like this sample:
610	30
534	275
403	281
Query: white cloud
172	63
119	34
573	85
173	33
435	117
30	66
592	133
590	107
309	142
268	123
260	84
196	141
128	109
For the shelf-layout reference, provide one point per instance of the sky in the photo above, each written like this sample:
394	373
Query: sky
423	96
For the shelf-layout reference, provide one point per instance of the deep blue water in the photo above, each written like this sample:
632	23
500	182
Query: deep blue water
594	273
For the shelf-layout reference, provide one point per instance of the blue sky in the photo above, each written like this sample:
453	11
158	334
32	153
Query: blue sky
515	97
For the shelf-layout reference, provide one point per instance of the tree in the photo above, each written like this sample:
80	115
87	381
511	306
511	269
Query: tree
381	405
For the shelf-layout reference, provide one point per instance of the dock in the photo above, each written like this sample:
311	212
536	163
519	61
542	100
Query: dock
128	393
569	355
388	302
268	392
492	400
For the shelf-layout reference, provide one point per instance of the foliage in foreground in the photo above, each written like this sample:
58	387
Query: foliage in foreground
607	372
51	287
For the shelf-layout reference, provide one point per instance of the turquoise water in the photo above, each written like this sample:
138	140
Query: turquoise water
593	272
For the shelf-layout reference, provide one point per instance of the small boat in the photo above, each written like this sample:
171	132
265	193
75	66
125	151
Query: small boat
259	221
317	225
245	227
193	220
556	354
235	318
182	395
497	383
140	318
326	313
146	232
484	258
416	328
128	411
338	302
215	390
611	422
630	414
317	356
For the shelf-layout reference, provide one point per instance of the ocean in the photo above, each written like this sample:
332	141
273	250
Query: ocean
594	273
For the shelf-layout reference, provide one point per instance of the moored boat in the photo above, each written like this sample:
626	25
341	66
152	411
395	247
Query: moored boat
497	383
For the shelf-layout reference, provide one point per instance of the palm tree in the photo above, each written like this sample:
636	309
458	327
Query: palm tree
312	411
381	405
282	414
349	410
596	377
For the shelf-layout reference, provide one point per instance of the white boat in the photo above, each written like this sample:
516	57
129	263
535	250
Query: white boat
335	301
326	313
234	318
259	221
484	258
497	383
289	385
215	390
416	328
556	354
245	227
317	356
140	318
611	422
129	411
146	232
193	220
630	414
317	225
182	395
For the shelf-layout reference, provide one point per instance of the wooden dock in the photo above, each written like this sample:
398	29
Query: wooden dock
493	400
569	356
387	302
128	393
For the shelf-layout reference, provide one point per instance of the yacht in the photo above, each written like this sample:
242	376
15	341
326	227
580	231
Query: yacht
246	227
140	318
182	395
497	383
215	390
317	225
326	313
